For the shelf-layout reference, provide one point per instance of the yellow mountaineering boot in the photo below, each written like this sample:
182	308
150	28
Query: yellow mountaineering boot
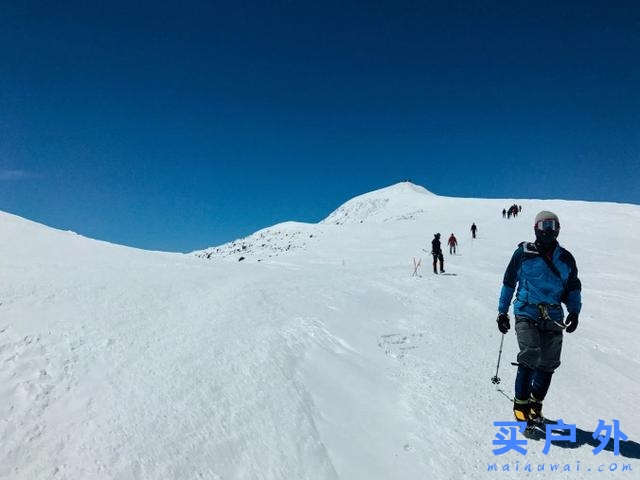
521	410
535	411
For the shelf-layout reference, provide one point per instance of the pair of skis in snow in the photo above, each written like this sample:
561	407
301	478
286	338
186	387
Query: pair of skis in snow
416	266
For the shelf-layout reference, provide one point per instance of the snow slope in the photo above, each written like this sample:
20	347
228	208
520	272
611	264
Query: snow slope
263	244
324	361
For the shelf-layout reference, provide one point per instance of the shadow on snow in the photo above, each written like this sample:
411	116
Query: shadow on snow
628	448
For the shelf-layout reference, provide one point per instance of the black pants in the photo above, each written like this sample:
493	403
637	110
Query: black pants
436	257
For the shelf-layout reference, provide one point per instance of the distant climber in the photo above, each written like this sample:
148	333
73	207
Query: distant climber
473	230
504	213
453	243
513	210
436	251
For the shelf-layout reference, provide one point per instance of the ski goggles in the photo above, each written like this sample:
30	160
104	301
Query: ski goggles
548	225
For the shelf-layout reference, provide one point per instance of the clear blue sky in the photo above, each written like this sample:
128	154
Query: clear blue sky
180	125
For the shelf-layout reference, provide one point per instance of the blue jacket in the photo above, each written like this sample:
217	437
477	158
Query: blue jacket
537	283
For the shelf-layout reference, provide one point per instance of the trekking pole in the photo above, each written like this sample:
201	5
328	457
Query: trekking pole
496	379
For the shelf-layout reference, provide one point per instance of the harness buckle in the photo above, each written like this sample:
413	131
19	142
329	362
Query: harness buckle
543	308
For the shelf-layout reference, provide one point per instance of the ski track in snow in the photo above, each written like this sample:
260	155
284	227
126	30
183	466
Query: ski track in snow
329	361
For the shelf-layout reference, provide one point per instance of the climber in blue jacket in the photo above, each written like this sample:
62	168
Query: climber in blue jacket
546	276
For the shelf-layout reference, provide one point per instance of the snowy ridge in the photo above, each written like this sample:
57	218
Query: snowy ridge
25	239
266	243
396	202
334	364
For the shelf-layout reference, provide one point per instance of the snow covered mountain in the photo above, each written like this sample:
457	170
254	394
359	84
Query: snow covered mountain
402	201
318	356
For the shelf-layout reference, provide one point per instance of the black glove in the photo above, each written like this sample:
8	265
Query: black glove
503	322
571	322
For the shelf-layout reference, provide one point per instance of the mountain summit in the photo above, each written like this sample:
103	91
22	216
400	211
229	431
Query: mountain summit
401	200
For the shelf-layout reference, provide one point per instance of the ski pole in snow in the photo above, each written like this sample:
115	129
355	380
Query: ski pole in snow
496	379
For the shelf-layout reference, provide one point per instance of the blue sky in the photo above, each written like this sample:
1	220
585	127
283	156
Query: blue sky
188	124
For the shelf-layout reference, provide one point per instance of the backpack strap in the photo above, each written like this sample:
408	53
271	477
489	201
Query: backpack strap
554	269
551	266
530	248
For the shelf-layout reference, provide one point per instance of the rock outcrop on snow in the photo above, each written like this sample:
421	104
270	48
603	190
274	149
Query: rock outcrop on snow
266	243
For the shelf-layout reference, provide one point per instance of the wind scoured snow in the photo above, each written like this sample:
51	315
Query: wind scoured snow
266	243
402	201
329	362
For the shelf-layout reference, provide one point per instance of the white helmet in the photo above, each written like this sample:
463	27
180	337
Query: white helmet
546	226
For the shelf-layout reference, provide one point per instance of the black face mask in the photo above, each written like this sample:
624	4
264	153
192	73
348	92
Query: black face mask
546	239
